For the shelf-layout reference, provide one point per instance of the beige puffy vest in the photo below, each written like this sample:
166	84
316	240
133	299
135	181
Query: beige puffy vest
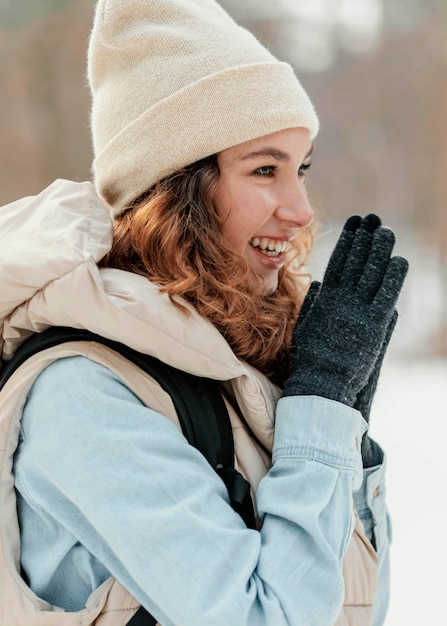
111	604
49	277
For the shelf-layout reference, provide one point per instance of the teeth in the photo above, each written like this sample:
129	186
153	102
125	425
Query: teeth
271	247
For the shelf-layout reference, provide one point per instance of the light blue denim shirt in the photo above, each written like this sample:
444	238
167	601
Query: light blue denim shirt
107	486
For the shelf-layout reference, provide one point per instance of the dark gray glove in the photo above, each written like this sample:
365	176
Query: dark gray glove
372	453
364	399
343	325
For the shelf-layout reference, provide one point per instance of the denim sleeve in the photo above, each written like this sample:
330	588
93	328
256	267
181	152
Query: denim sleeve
371	506
118	481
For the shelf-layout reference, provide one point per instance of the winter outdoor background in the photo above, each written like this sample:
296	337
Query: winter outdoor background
376	70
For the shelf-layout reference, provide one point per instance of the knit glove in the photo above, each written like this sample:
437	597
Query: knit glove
372	453
343	324
364	399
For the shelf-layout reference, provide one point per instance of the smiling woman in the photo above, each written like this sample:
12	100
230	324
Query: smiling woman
189	247
252	278
262	200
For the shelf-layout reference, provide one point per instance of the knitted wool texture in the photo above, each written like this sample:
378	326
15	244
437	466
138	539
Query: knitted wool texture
372	453
344	327
174	81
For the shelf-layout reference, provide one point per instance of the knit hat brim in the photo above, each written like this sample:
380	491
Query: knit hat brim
268	95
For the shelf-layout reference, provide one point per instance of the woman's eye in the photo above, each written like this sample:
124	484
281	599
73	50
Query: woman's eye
265	170
303	169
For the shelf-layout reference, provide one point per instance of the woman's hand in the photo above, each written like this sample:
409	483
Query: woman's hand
345	323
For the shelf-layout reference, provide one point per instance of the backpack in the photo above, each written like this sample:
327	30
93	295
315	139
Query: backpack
198	402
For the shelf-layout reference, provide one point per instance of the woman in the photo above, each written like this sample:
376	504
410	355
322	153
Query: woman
202	142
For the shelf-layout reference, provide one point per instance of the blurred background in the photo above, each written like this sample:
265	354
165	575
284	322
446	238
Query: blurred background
377	73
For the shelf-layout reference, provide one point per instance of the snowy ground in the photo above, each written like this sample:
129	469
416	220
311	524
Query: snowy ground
409	419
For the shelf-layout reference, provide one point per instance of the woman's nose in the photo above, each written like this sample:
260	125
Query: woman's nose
294	207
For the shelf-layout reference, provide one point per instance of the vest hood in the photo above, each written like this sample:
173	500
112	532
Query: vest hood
51	244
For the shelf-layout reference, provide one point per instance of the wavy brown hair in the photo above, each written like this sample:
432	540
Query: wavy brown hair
172	235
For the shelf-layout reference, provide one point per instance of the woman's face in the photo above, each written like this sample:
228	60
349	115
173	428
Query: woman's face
262	198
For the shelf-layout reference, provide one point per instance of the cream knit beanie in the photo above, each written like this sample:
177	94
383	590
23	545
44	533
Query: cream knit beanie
174	81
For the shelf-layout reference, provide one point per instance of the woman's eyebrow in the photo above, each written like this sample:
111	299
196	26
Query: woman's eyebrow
271	152
276	154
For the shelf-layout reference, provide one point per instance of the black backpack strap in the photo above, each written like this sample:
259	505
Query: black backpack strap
193	398
142	618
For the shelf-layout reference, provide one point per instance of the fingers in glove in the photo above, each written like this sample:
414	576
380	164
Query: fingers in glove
309	300
389	332
305	308
365	397
360	250
377	263
389	291
339	255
